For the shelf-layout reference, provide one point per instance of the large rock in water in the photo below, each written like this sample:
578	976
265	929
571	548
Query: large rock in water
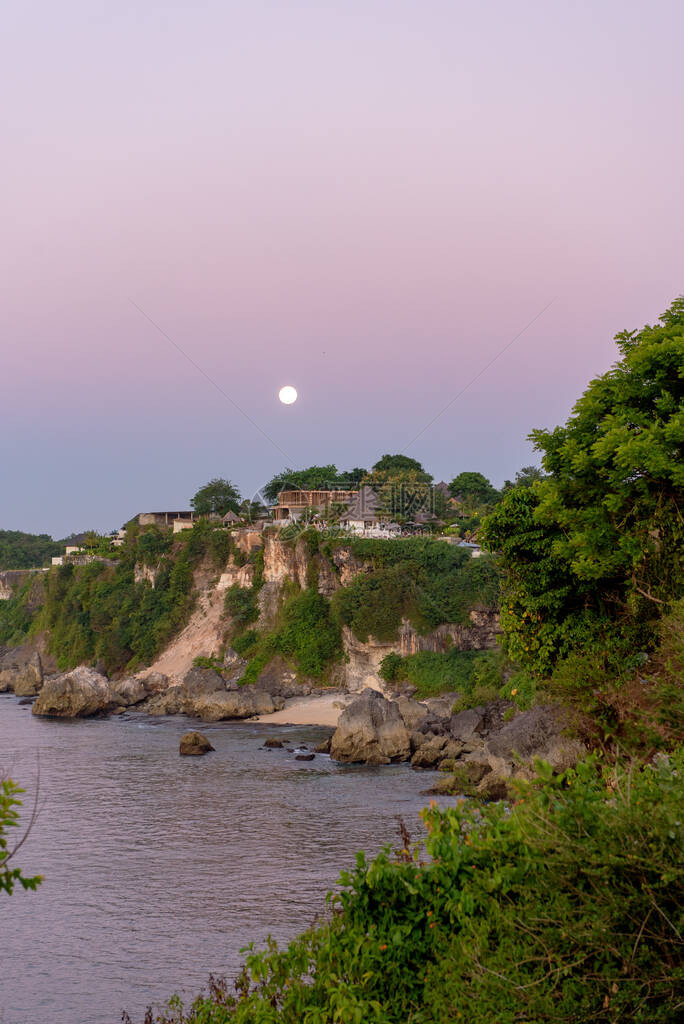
127	692
372	731
193	744
75	694
242	703
21	670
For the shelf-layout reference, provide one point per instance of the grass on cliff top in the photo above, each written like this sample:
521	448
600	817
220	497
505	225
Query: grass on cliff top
568	906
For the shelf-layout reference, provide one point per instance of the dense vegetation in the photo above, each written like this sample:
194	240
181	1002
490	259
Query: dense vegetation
475	675
99	612
429	582
20	550
566	908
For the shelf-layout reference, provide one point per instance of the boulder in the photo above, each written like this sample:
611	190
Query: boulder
304	757
221	705
74	694
324	746
536	733
371	731
412	712
155	682
198	682
429	754
169	702
466	724
493	787
193	744
441	706
272	743
279	680
21	670
127	692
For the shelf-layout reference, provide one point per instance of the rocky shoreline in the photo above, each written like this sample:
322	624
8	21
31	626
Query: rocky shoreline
481	749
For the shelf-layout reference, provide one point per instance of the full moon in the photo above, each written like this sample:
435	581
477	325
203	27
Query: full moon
287	395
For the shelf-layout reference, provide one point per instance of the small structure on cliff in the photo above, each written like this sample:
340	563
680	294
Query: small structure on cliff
293	504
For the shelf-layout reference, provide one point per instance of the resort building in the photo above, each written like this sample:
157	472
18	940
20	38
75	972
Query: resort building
293	504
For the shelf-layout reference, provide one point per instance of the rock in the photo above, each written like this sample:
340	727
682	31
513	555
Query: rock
411	712
76	694
221	705
536	733
279	680
440	706
464	725
155	682
372	731
304	757
324	747
21	671
430	753
199	682
272	743
493	787
26	701
417	739
194	744
127	692
167	703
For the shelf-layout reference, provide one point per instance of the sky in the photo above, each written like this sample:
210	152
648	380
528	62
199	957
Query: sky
367	199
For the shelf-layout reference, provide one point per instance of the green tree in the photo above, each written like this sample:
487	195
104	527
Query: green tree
401	466
475	490
525	477
216	498
599	543
20	550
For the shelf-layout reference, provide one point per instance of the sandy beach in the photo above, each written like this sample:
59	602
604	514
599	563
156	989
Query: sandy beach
313	710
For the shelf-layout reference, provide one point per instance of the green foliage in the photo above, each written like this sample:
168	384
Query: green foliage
309	634
477	676
400	466
594	553
428	582
565	907
20	550
474	489
16	615
626	701
9	818
245	643
216	498
528	476
99	612
242	605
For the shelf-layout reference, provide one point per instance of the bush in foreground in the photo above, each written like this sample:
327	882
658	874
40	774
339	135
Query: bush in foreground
567	907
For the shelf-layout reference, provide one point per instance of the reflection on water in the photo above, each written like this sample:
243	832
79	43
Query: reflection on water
160	868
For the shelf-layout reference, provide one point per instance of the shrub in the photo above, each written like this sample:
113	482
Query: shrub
567	907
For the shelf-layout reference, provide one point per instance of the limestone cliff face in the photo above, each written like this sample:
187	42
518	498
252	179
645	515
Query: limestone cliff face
11	580
364	659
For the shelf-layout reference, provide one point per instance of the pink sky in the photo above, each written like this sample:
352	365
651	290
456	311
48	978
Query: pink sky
366	199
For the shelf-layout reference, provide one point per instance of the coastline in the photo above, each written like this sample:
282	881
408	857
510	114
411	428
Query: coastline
312	710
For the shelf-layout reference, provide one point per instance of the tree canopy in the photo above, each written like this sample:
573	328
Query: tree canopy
216	498
601	538
312	478
390	466
474	488
20	550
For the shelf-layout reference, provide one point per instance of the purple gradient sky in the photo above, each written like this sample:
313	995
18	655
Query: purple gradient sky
365	198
